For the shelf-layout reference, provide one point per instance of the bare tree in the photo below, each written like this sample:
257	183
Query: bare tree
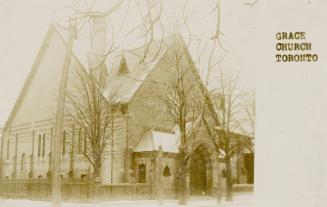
89	109
93	113
228	104
184	102
249	109
186	97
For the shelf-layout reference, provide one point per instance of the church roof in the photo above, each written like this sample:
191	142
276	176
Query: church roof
139	62
47	42
122	86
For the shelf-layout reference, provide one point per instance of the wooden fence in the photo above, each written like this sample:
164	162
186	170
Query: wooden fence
40	189
75	190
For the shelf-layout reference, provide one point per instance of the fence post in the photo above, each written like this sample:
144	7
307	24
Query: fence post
133	187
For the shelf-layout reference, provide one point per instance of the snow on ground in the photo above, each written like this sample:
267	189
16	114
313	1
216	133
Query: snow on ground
239	201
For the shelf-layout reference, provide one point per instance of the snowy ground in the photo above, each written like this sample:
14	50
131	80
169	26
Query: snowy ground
244	200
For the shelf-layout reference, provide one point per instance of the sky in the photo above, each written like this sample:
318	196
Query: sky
25	22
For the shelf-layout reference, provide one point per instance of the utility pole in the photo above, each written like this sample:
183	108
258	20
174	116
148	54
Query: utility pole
56	148
2	136
112	151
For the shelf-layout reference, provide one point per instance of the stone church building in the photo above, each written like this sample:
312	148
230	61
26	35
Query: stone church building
146	128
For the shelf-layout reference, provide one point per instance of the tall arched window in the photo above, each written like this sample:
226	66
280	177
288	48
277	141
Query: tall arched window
39	146
23	163
8	149
43	146
64	143
85	143
79	141
51	139
142	173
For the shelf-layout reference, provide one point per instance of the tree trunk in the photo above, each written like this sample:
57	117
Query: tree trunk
218	182
97	169
229	182
182	179
97	178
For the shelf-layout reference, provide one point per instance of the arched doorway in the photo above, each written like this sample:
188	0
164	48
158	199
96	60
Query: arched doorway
200	172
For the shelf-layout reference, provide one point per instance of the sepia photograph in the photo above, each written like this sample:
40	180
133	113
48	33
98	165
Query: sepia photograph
127	102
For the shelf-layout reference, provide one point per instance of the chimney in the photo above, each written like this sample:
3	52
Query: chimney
96	57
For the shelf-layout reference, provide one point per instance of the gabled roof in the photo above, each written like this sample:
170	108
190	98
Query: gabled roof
40	55
169	142
123	66
121	87
139	63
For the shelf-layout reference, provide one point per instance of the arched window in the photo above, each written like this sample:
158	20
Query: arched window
142	173
43	146
83	178
223	173
85	143
166	171
23	163
79	141
8	149
51	139
64	143
39	146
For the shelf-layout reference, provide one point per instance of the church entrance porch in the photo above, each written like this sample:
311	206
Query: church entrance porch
200	167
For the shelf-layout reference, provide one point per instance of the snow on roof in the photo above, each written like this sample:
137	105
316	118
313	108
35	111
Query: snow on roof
152	140
122	87
140	62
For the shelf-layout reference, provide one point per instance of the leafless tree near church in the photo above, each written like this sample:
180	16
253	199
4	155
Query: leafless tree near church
93	113
186	100
227	99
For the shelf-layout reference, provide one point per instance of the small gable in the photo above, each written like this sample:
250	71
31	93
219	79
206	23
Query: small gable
123	66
